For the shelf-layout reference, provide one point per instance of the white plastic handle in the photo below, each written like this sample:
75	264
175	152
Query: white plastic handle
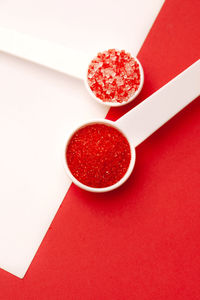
156	110
56	57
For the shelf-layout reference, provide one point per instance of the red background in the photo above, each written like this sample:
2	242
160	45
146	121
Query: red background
141	241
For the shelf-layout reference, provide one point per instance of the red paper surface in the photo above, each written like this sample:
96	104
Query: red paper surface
141	241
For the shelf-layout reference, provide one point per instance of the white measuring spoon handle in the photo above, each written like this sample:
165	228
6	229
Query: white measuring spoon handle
156	110
56	57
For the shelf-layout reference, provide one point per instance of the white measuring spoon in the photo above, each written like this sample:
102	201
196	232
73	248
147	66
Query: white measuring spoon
57	57
140	122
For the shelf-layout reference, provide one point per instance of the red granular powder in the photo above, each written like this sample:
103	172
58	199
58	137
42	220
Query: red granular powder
114	76
98	155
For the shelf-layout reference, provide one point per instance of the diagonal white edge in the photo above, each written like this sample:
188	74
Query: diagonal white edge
24	227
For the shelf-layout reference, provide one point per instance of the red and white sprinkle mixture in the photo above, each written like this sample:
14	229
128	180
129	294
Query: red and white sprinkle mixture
114	76
98	155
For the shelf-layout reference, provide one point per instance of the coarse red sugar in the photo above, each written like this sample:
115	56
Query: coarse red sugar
114	76
98	155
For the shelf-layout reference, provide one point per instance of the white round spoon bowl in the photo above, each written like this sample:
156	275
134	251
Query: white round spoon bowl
117	104
143	120
126	175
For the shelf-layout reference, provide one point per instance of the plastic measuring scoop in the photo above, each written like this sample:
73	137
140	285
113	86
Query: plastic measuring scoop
57	57
143	120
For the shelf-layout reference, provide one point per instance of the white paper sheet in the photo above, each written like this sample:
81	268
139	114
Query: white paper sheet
39	106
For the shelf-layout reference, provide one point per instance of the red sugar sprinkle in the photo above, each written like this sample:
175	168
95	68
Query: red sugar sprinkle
98	155
114	76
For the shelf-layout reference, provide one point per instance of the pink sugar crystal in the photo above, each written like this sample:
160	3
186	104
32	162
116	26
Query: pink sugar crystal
114	76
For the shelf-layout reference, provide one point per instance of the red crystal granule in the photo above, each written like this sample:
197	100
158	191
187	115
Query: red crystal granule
98	155
114	76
